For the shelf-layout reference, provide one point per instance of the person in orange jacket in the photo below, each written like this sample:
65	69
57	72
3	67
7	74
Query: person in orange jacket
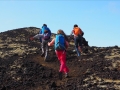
78	33
60	43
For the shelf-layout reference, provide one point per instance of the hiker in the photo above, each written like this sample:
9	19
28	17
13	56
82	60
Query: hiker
42	30
78	33
60	43
45	37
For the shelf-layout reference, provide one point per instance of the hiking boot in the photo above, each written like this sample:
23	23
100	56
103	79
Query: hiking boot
66	75
60	75
43	54
46	58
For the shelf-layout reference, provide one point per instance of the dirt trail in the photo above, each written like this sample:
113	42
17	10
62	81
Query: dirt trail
55	65
52	65
40	60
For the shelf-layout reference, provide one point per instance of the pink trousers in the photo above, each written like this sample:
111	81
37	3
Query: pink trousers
62	58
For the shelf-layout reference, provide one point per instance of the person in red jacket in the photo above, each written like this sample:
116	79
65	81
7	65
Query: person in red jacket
60	43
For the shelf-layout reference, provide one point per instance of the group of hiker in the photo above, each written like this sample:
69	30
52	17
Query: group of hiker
61	43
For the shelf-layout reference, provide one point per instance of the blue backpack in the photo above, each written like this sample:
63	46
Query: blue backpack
60	42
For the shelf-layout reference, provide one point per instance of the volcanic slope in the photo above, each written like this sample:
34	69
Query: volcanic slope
22	67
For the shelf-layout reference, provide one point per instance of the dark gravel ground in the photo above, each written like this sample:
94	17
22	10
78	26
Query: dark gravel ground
22	68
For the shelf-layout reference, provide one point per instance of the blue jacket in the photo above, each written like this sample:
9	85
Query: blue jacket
45	28
42	31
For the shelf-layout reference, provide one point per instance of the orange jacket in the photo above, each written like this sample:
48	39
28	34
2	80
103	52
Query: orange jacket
77	31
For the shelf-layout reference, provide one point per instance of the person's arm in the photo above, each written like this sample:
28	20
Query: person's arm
71	33
66	44
52	42
38	36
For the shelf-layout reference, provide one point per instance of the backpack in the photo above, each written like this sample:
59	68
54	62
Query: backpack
82	33
46	36
59	42
77	31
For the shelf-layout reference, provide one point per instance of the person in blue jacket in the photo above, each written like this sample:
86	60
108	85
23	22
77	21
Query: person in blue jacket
44	36
44	27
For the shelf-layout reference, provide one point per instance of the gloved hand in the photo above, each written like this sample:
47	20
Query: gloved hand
31	38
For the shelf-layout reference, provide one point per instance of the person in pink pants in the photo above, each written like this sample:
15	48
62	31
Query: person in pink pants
61	54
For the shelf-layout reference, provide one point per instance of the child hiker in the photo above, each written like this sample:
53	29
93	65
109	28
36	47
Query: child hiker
61	44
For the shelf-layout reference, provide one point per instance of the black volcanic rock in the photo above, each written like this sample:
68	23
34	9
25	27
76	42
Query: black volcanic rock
22	68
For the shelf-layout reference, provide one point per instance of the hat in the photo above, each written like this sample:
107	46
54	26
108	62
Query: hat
75	25
44	24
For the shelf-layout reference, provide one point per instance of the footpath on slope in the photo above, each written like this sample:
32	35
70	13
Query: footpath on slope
54	64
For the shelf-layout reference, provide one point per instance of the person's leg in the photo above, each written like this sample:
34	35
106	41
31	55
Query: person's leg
40	43
58	53
46	51
63	59
63	66
80	43
43	48
76	40
78	52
